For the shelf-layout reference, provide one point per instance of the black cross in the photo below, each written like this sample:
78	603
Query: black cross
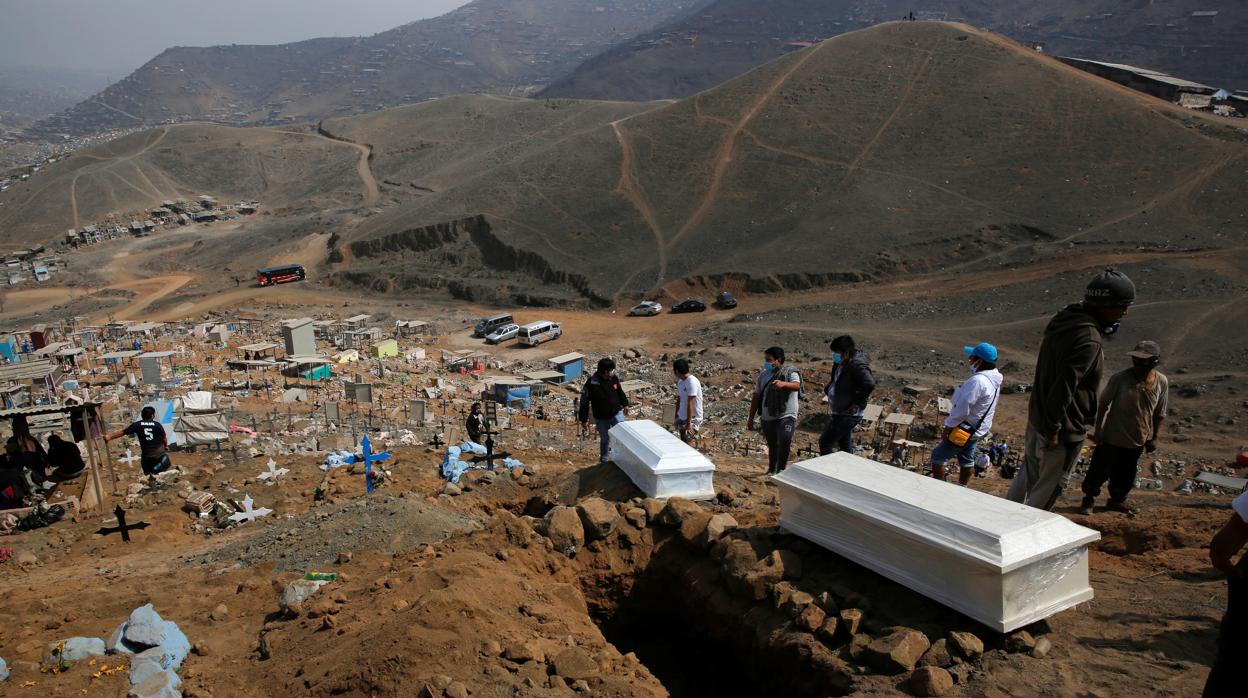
121	527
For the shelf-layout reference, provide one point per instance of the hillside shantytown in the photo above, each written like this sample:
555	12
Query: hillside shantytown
650	348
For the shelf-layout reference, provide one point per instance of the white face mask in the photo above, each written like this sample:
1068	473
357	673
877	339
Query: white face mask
974	367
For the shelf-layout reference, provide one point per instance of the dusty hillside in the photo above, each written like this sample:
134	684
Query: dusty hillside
729	37
487	45
898	149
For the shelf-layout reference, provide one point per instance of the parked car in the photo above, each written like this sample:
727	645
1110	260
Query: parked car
488	324
502	334
726	300
691	305
539	332
646	308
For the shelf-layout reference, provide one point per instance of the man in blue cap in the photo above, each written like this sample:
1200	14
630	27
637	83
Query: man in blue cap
970	419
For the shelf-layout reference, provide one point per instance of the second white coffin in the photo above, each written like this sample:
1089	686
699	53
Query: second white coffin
1001	563
659	463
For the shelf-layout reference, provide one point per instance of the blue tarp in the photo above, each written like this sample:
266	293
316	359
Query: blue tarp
508	394
453	468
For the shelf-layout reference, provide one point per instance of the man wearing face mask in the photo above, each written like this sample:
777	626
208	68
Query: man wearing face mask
847	390
974	404
1132	408
775	400
1064	391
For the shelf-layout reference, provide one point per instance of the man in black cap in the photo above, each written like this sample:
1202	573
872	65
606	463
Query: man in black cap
1133	404
603	396
1064	391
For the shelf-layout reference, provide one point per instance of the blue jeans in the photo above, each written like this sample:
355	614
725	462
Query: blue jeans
946	450
838	434
604	441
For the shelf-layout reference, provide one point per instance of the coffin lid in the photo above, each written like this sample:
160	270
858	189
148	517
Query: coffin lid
658	448
956	519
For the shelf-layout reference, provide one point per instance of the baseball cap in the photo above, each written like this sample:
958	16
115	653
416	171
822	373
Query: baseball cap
983	350
1146	349
1110	288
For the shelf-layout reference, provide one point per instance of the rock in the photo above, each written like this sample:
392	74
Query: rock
296	592
790	600
931	681
74	649
719	525
1020	641
523	652
491	648
564	529
858	646
442	681
221	612
150	662
344	557
967	645
202	649
1042	648
851	620
653	507
451	489
599	516
162	684
827	631
581	686
693	528
636	517
145	628
787	561
115	644
456	690
26	559
896	652
4	669
938	655
575	663
677	511
811	618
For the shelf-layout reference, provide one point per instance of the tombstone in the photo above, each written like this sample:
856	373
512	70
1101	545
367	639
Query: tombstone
332	412
1013	564
417	415
150	367
299	337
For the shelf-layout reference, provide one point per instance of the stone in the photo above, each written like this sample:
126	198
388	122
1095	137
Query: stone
693	528
491	648
790	600
827	631
896	652
788	562
1020	641
851	620
115	644
452	490
145	627
938	655
677	511
811	618
344	557
26	559
74	649
930	681
858	646
221	612
653	507
297	592
968	645
148	663
1042	648
719	525
575	663
599	517
523	652
636	517
456	690
565	530
162	684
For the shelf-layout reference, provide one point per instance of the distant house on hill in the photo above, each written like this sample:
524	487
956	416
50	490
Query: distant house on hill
1155	83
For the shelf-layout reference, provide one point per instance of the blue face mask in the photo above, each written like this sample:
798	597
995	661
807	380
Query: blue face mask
836	359
1110	329
768	366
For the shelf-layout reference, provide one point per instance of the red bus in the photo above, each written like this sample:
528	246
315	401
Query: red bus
283	274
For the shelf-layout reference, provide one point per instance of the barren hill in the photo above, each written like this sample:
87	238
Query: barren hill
487	45
897	149
729	37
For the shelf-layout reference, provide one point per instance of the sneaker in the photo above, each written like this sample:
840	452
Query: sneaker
1121	507
1085	507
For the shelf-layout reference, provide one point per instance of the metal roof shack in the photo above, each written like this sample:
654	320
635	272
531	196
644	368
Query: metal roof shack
1155	83
30	382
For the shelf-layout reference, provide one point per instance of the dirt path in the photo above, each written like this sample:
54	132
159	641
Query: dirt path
372	191
630	188
901	102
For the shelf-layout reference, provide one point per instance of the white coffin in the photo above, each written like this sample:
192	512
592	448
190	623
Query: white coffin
659	463
1001	563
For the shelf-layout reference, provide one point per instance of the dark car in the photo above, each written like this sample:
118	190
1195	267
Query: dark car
689	306
726	300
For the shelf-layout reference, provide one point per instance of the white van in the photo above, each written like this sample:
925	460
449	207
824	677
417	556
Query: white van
488	324
536	333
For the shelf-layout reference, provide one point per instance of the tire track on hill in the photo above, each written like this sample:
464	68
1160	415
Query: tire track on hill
905	96
630	188
372	192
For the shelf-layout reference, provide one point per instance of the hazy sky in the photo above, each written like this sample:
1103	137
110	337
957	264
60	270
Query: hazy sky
120	35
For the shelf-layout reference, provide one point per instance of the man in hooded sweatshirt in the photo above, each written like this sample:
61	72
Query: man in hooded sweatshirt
1064	391
847	391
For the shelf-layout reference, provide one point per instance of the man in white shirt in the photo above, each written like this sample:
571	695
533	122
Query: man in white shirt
688	401
1226	677
974	406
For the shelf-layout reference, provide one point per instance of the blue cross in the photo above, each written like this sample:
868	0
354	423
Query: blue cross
367	447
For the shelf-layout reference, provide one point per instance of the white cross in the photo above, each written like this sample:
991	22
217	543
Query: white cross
130	458
270	476
249	514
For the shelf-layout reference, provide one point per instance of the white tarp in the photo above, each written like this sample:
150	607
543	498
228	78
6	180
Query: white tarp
1001	563
660	464
204	428
198	401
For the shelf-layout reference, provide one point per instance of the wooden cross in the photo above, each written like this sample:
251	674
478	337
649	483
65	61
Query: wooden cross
249	513
366	447
271	475
121	526
130	458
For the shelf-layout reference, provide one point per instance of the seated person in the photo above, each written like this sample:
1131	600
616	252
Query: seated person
13	486
64	458
25	452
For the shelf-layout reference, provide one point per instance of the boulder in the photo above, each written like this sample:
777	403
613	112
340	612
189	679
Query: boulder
1020	641
116	644
967	645
851	620
858	646
827	631
575	663
565	530
677	511
896	652
1042	648
718	525
296	593
522	652
150	662
811	618
162	684
145	628
653	507
599	517
220	613
636	516
74	649
693	528
938	655
788	562
930	681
